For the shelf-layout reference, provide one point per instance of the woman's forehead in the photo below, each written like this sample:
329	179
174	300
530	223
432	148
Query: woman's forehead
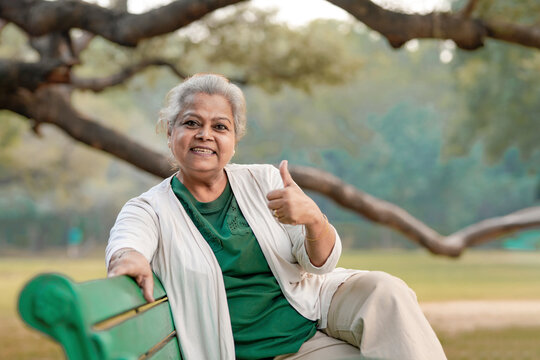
203	101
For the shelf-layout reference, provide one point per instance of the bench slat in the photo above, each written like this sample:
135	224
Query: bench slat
168	352
101	299
126	339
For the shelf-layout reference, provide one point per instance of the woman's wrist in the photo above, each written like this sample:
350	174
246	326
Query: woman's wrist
318	229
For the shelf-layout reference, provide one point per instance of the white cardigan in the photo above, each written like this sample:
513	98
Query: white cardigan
156	225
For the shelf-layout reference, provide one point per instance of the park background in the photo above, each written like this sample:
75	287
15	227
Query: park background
451	136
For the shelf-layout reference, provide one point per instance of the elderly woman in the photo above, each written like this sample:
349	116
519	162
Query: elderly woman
247	259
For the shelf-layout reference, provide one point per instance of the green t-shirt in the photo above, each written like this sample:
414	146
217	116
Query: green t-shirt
264	324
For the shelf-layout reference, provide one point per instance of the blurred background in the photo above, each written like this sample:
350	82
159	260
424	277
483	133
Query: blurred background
452	136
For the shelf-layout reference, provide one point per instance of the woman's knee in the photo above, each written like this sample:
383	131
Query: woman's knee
363	301
382	284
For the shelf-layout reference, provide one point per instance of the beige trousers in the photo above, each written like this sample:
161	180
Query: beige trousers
373	316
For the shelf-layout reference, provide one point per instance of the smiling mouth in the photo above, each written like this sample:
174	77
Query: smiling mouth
202	151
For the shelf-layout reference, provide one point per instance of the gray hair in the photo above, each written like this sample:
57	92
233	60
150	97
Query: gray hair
212	84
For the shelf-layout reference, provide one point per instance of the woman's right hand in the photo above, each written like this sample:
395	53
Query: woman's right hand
130	262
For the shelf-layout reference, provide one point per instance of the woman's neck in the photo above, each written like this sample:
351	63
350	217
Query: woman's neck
204	188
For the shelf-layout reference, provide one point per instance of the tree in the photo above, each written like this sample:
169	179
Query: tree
502	83
41	90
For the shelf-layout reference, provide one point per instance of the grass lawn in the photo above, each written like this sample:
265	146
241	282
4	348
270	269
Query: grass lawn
477	275
502	344
480	275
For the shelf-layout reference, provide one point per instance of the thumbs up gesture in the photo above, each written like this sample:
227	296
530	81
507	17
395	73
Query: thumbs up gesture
291	205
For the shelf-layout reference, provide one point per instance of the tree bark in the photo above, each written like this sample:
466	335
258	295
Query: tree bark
468	33
40	17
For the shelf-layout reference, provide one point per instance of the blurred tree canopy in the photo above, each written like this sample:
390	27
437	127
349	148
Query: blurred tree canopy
500	89
389	123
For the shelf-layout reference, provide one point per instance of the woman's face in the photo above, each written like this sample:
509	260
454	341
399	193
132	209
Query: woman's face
202	139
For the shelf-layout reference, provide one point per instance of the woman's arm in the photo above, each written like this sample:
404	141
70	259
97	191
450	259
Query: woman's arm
320	240
291	205
128	261
132	244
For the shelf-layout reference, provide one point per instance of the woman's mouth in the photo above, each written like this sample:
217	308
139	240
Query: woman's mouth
202	151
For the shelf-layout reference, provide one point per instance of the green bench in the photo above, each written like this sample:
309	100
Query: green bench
101	319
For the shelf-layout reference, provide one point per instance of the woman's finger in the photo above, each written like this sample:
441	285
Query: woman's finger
275	194
275	204
147	286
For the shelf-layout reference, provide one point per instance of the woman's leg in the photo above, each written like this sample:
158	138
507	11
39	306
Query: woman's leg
379	314
323	347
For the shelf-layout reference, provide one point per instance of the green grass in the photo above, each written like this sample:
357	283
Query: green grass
15	272
502	344
479	275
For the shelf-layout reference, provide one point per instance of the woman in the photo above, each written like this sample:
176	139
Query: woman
247	259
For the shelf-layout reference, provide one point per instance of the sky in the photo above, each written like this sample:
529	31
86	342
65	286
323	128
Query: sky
297	12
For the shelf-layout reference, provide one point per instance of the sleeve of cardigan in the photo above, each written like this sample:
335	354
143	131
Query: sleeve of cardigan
299	251
297	235
136	227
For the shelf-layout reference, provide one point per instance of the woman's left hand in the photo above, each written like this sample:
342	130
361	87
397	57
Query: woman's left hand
291	205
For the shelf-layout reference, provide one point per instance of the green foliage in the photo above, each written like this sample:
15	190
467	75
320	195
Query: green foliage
402	164
525	12
497	102
245	43
271	54
14	44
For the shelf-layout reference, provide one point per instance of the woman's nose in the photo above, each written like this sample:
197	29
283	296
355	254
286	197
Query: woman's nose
203	133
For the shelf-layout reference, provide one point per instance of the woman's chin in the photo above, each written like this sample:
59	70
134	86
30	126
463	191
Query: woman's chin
202	167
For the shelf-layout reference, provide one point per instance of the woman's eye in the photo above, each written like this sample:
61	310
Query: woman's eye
190	123
221	127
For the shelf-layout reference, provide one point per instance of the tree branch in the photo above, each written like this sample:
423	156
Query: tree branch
81	42
490	229
513	33
52	105
100	84
40	17
390	215
467	11
15	74
398	28
54	46
468	33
